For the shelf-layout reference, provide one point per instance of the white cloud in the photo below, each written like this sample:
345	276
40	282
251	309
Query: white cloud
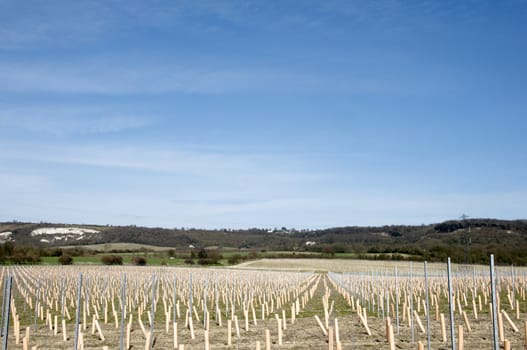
250	172
163	187
111	75
66	121
137	75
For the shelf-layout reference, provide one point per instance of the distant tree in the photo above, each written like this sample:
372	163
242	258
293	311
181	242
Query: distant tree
235	259
56	252
65	259
208	257
139	261
202	254
112	260
9	247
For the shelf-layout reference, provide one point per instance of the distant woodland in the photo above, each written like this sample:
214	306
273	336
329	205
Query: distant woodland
465	241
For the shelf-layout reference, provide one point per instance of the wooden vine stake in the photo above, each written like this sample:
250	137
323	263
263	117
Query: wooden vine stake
511	323
391	340
267	339
321	325
229	332
206	336
467	323
279	321
337	335
460	337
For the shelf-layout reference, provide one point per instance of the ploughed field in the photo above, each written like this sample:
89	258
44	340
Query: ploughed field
278	304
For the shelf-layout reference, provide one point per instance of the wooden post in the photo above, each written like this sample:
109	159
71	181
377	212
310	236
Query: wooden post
501	334
365	323
93	319
321	325
229	332
27	335
206	336
391	340
128	334
148	340
267	340
511	323
467	323
191	326
255	322
279	321
460	337
443	328
99	330
419	323
237	326
330	338
64	334
81	340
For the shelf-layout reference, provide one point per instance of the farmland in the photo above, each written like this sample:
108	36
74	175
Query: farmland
280	303
505	239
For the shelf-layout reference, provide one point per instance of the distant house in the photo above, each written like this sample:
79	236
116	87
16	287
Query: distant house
191	246
310	243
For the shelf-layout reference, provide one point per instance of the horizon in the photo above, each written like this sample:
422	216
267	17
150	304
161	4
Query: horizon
262	114
296	229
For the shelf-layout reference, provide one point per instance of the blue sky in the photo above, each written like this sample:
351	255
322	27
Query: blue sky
305	114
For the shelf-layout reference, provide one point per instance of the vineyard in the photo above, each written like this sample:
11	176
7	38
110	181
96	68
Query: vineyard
333	304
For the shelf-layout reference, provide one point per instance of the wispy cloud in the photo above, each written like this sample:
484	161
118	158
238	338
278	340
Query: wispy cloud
110	76
205	189
159	183
73	121
55	23
44	24
217	166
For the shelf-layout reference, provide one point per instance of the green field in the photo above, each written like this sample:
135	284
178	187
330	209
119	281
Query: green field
127	260
107	247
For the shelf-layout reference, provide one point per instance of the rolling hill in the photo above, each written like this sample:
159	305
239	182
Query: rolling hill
465	241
